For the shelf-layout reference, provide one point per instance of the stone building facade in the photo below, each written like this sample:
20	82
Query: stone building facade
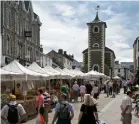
136	54
97	56
18	17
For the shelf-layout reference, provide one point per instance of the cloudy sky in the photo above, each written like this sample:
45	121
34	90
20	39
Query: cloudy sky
64	26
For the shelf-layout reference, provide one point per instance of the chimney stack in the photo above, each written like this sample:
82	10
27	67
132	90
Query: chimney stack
117	62
65	52
60	51
72	56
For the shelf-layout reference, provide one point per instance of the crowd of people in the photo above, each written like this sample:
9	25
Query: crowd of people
14	113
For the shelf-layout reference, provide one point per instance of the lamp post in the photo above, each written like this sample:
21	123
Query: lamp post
110	72
125	75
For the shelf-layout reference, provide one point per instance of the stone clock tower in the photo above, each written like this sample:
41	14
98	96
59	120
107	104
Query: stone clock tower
96	44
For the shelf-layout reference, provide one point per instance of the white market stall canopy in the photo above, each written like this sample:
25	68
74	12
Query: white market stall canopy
63	73
27	74
8	75
101	75
73	73
52	72
116	77
78	73
92	74
36	68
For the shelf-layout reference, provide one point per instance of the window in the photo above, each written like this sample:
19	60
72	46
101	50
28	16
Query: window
119	70
17	24
138	45
7	45
96	68
96	29
138	62
8	18
96	45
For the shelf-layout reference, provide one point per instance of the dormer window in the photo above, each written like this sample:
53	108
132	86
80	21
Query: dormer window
96	45
96	29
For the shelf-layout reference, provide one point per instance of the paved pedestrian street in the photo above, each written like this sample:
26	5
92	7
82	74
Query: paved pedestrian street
109	111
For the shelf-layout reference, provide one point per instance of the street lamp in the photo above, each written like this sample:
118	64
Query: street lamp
125	73
110	72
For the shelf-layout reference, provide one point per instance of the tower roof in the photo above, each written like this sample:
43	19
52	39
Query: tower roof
96	18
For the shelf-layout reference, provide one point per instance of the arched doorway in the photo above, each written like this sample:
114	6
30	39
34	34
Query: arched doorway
96	67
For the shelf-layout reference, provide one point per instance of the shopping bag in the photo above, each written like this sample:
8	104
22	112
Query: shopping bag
40	119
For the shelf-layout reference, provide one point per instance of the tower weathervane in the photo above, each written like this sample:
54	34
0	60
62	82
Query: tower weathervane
97	8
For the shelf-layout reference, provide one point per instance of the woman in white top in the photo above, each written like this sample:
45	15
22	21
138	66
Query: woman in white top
82	91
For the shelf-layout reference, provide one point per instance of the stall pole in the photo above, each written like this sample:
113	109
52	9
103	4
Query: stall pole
13	92
25	91
49	86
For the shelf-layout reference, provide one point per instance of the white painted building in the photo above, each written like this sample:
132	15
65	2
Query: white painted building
67	63
136	53
45	60
122	71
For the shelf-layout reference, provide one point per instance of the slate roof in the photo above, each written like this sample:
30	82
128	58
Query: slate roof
86	50
106	49
97	20
137	39
35	15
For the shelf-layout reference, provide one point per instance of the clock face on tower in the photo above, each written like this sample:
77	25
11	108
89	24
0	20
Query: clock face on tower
95	38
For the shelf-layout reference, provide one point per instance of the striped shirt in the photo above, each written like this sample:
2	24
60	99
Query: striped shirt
47	99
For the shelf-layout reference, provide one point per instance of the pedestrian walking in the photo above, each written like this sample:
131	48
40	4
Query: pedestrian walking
114	88
95	91
125	86
82	91
110	85
75	88
65	89
137	105
40	102
47	104
126	108
88	112
13	113
107	89
64	112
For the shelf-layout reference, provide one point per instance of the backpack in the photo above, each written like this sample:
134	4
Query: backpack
13	116
64	114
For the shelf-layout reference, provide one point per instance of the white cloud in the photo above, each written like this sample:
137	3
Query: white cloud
108	11
68	36
57	34
64	9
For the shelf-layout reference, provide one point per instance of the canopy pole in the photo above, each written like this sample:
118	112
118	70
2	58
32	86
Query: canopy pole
49	86
25	91
70	89
45	83
13	92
